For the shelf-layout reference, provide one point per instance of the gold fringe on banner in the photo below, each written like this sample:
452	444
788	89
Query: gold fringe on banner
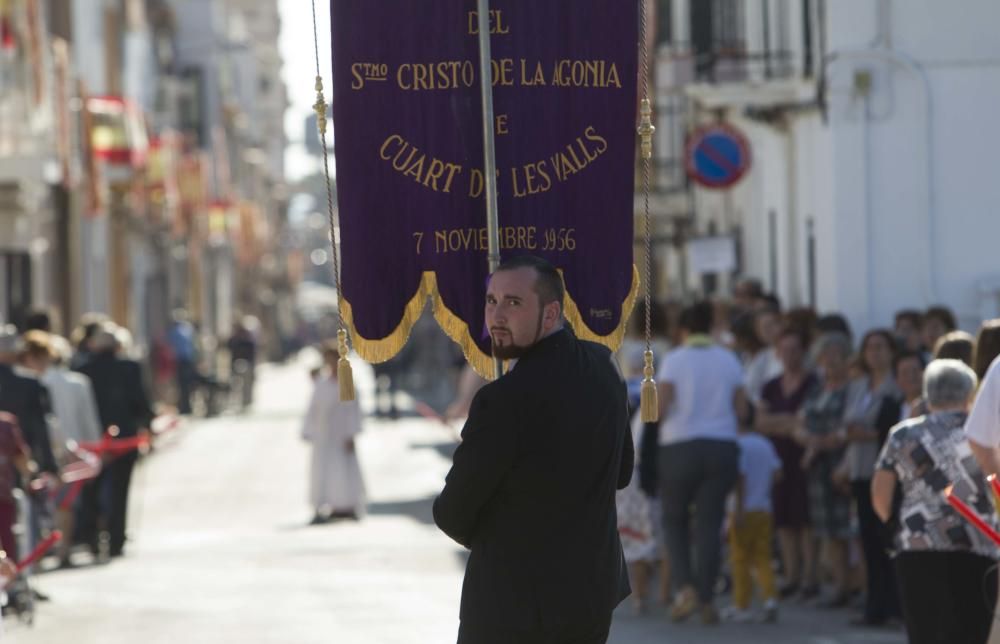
380	350
456	329
614	339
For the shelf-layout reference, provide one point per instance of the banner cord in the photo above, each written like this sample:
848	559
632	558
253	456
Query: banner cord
646	129
321	126
345	375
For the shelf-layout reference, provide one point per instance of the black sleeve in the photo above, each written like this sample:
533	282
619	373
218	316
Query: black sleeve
628	457
888	417
142	410
41	447
481	462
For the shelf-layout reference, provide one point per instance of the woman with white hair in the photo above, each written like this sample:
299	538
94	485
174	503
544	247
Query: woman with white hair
945	567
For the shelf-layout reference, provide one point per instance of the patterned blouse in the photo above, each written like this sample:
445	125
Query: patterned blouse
928	454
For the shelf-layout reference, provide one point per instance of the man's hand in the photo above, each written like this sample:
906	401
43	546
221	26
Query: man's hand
349	445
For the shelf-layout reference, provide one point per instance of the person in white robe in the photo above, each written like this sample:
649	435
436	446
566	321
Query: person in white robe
336	487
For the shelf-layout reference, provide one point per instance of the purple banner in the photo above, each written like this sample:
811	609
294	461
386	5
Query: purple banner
409	157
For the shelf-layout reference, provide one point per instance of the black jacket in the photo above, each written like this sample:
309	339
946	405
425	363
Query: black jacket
28	399
120	393
532	490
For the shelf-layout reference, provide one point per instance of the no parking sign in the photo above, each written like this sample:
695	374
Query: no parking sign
717	156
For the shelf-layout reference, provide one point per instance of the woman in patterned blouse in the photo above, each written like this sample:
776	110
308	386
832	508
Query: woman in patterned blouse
946	569
820	435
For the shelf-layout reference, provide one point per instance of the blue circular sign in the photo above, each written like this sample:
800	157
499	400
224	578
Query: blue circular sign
717	156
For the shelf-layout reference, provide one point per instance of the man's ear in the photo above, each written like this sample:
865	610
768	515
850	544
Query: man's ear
551	315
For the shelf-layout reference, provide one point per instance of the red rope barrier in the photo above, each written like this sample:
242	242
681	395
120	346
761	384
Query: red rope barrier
54	537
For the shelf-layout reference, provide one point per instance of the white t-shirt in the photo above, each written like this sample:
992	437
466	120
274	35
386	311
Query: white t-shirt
704	380
758	463
983	424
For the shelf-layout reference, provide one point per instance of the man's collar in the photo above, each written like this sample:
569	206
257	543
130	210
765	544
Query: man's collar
555	336
552	340
699	340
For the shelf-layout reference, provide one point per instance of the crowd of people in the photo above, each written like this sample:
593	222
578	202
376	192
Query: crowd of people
75	414
783	444
73	417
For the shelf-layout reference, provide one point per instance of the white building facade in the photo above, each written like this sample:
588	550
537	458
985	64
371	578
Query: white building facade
874	143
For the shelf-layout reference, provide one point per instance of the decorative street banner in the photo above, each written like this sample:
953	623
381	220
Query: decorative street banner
409	156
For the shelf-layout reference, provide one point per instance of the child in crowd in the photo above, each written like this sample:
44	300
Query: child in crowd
751	527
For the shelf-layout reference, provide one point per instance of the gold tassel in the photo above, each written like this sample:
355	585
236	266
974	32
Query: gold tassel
345	376
646	129
648	402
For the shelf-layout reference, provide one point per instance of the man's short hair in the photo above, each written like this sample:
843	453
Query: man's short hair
943	314
769	302
752	286
104	340
698	317
908	315
834	323
903	356
90	323
549	284
38	320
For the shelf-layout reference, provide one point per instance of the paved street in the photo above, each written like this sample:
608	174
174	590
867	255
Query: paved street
222	552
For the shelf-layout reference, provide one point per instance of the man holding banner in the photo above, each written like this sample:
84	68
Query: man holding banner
532	489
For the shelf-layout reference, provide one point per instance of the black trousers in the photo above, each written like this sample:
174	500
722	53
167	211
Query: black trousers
592	633
87	510
106	497
882	597
186	376
948	597
118	478
697	473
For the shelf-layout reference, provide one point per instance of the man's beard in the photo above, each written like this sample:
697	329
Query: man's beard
514	351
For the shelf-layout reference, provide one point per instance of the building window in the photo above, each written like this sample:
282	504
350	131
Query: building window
664	22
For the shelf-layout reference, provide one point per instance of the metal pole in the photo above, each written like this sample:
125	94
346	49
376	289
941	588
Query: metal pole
489	151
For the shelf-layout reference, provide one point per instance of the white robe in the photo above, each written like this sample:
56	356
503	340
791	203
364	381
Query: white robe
335	475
